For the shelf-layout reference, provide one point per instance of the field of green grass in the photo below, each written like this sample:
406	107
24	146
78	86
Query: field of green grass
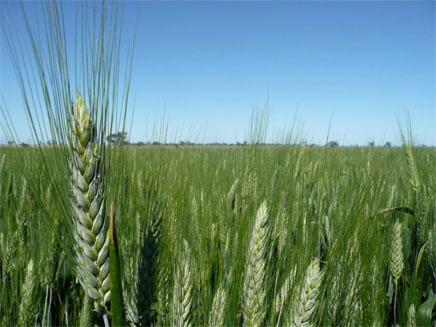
230	236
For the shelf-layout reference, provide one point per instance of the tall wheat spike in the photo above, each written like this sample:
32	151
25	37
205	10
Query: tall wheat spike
307	302
88	206
396	260
254	292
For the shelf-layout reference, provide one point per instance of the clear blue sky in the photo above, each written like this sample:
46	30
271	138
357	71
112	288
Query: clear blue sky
208	65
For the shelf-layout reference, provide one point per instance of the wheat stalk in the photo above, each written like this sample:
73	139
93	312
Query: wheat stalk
254	292
88	206
307	303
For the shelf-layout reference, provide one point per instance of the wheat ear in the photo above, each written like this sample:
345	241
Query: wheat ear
396	261
163	294
254	292
88	206
411	316
183	295
304	309
27	308
145	275
250	182
413	172
218	310
283	294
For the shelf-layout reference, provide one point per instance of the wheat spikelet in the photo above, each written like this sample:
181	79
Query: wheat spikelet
88	206
183	294
396	261
413	172
27	308
307	303
254	292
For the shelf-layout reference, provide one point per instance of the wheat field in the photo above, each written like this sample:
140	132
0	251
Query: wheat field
95	234
244	235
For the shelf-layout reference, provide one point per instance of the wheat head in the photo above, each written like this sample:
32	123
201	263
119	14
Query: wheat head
411	316
396	260
308	300
88	206
218	310
413	171
27	308
183	291
254	288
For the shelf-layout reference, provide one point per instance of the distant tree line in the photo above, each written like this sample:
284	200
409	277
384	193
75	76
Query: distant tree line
120	138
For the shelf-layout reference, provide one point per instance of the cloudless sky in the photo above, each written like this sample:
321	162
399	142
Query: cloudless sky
209	65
